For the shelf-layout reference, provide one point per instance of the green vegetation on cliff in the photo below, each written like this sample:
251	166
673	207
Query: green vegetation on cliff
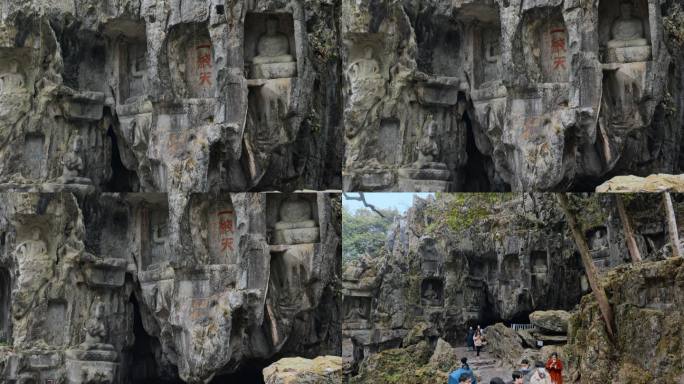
363	232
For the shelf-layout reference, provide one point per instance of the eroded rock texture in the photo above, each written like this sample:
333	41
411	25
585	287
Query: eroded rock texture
155	96
474	95
512	258
647	300
141	288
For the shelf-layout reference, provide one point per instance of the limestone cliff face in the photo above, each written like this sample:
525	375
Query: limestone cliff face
647	300
122	289
496	264
474	95
156	96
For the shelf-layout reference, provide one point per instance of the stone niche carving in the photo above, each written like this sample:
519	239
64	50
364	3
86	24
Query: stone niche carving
93	361
431	259
154	236
474	296
487	60
357	309
598	242
432	292
365	88
539	264
482	266
427	173
12	80
510	268
440	50
5	306
191	61
624	31
270	46
72	164
34	156
389	142
132	69
222	233
56	323
297	221
545	48
288	271
91	67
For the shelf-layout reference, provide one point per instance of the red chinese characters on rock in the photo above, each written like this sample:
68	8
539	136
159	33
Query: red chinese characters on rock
204	65
558	48
226	230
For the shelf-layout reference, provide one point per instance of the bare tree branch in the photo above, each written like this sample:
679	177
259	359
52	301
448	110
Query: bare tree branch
629	232
671	224
362	199
589	267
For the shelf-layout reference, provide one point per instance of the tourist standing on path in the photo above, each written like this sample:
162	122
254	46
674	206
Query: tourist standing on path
469	339
517	377
497	380
539	374
477	339
525	367
555	368
465	370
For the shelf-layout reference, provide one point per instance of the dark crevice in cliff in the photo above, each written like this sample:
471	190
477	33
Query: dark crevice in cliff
122	180
142	363
476	169
249	372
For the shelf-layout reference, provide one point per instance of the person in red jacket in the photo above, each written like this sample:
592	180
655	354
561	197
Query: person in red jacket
555	368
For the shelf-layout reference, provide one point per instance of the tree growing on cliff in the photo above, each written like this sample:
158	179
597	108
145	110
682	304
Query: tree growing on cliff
364	231
671	224
629	232
588	262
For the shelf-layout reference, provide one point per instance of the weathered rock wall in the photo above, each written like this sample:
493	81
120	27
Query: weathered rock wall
647	303
129	289
496	264
157	96
498	95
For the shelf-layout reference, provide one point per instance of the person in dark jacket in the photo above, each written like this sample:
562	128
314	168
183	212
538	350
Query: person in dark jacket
455	376
469	339
497	380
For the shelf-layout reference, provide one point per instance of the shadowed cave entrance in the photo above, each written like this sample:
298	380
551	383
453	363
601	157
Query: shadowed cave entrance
142	365
122	180
249	372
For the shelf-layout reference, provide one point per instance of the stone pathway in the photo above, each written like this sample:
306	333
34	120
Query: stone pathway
486	366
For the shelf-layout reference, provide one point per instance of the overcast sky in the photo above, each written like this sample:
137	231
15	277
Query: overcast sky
400	201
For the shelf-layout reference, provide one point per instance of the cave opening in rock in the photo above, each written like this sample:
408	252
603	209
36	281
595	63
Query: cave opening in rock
122	180
5	306
249	372
142	367
475	171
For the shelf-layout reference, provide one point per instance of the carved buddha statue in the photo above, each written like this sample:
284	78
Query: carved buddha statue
273	58
627	30
296	225
628	43
356	313
72	164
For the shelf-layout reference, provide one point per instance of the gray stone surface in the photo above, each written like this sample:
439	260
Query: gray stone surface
527	95
515	264
169	96
136	288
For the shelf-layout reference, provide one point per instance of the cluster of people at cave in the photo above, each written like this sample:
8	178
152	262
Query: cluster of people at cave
550	372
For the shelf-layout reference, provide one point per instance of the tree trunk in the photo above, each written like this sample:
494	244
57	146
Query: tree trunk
671	224
629	233
590	269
